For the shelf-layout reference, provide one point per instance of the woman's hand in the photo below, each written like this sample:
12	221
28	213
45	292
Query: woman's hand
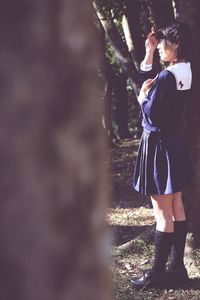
147	86
151	42
151	45
145	89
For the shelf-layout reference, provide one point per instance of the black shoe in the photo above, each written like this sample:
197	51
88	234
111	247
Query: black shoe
177	277
148	280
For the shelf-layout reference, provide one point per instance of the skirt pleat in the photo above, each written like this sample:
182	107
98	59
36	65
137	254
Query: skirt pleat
162	166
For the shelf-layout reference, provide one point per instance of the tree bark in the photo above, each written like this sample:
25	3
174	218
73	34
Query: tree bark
107	101
107	77
162	12
52	187
121	113
189	12
133	14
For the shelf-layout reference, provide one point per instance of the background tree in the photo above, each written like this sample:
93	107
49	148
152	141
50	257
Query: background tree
52	186
190	12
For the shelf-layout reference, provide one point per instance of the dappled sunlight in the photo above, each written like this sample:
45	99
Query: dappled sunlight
130	216
131	222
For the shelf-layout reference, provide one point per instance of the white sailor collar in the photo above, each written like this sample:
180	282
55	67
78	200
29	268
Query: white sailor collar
183	75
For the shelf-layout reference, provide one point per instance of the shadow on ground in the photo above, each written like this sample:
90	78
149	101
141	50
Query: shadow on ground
123	234
193	284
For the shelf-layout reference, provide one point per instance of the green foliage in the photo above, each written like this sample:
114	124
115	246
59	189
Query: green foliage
113	61
112	8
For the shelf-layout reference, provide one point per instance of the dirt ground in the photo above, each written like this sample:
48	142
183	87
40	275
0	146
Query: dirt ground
131	224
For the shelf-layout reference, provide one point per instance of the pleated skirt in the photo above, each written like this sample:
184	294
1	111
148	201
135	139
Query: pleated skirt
163	165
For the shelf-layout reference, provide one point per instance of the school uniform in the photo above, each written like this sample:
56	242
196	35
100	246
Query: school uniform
163	165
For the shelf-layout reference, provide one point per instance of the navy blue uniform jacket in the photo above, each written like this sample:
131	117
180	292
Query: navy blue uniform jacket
163	164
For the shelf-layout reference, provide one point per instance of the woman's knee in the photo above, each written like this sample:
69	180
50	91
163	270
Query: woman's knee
162	206
164	217
178	213
178	208
165	223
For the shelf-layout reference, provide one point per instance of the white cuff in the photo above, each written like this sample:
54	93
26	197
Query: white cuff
144	67
141	97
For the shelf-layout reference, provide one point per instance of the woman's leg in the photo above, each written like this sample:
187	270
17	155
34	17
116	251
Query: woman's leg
163	212
162	206
178	208
180	232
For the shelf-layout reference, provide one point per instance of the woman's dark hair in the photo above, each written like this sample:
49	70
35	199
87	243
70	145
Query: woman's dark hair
178	33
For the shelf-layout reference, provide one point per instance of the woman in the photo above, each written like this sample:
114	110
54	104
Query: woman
163	167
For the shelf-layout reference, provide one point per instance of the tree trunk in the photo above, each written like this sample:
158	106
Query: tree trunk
162	12
190	12
107	101
52	185
107	77
133	14
121	114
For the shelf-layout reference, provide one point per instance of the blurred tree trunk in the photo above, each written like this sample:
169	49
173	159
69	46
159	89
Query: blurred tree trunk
52	186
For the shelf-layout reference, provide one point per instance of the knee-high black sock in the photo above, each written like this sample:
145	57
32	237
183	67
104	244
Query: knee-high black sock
178	245
163	243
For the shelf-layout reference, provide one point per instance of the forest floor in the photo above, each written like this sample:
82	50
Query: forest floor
131	224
